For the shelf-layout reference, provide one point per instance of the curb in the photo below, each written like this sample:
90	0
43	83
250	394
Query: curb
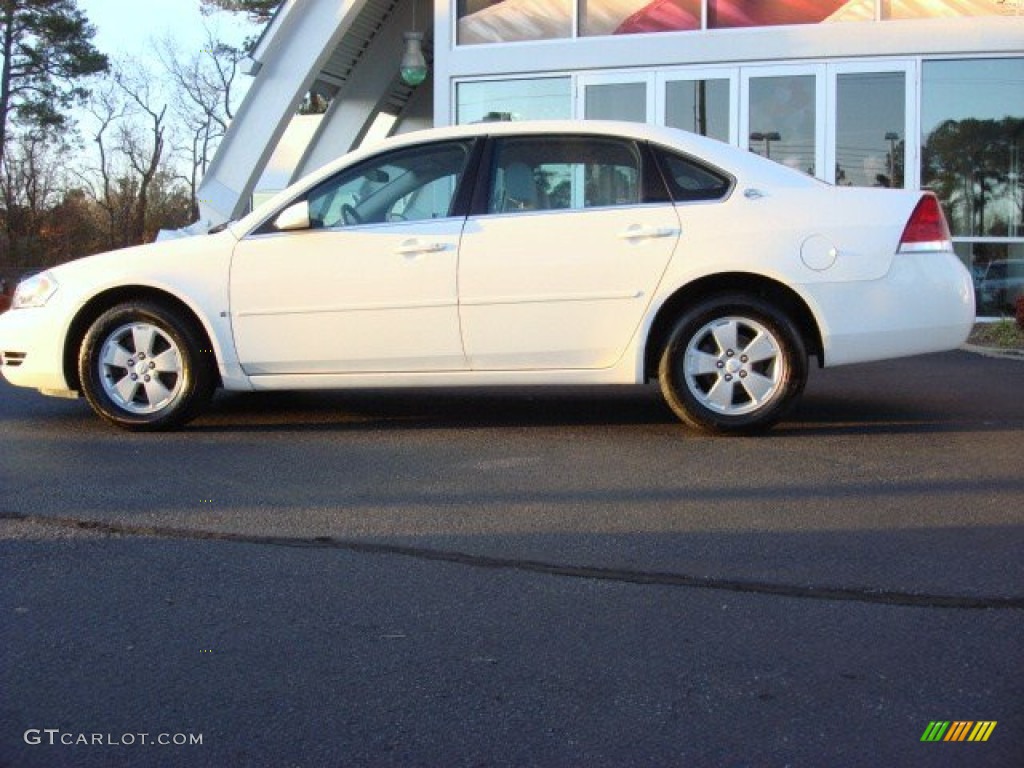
1002	354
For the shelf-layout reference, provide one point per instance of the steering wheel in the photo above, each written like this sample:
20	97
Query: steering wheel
349	215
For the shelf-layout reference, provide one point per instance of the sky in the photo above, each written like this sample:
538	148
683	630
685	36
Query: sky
128	27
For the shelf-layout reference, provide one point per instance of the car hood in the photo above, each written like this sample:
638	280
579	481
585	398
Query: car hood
139	259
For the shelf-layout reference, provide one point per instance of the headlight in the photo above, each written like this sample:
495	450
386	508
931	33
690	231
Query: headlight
34	291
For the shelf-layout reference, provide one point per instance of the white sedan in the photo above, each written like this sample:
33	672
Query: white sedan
567	253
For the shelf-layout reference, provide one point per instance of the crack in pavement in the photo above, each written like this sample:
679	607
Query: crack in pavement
626	576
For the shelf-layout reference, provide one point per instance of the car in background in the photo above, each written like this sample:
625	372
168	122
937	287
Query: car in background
1000	285
508	254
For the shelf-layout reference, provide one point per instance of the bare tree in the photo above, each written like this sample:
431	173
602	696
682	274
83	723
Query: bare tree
31	178
108	109
203	86
133	138
143	141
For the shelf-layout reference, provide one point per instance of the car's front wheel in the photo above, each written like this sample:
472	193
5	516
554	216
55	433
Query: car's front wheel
733	364
142	367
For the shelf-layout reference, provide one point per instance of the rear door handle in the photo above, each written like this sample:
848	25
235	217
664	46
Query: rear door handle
638	232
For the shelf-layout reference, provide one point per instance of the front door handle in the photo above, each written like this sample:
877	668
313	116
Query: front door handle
413	247
638	232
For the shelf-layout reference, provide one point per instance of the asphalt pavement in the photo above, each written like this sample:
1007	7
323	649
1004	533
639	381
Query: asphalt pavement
519	578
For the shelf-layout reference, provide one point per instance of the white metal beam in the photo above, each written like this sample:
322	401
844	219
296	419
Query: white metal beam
291	54
359	98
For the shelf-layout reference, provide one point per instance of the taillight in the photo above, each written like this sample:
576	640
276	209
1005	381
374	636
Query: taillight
927	229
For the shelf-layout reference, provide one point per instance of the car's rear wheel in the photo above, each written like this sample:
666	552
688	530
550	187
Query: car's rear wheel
142	367
733	364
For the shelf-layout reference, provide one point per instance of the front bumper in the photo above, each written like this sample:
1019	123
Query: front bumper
32	349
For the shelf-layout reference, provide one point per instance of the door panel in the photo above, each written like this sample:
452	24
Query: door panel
362	299
559	273
560	290
370	286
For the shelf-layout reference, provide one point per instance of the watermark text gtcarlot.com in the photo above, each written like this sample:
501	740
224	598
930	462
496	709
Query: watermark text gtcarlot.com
55	736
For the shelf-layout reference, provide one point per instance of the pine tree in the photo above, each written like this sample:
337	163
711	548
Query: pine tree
47	51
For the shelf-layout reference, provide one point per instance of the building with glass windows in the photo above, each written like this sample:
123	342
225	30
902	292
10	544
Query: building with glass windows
905	93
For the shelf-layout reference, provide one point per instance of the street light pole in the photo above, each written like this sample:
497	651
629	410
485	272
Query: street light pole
767	137
892	137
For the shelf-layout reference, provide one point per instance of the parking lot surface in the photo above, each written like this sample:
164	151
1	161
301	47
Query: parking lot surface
523	577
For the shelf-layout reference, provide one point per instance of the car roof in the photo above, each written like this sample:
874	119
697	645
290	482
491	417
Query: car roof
708	149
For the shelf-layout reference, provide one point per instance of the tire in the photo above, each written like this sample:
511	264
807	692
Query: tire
143	367
733	364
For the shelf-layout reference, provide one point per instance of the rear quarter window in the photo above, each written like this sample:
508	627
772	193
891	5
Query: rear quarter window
689	180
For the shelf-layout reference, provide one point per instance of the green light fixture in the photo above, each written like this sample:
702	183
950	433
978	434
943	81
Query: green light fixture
414	63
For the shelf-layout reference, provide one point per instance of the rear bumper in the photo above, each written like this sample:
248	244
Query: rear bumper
925	303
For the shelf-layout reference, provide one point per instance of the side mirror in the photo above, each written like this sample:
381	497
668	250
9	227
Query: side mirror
292	218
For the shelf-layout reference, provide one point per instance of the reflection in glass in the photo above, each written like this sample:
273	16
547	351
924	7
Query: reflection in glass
998	273
506	21
503	21
782	120
725	14
870	145
617	101
630	17
564	173
698	106
546	98
936	9
972	123
405	185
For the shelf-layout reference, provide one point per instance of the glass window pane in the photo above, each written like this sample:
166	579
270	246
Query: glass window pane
937	9
431	201
870	145
725	14
782	120
617	101
972	124
506	21
563	173
698	106
689	181
548	98
629	17
400	186
998	273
